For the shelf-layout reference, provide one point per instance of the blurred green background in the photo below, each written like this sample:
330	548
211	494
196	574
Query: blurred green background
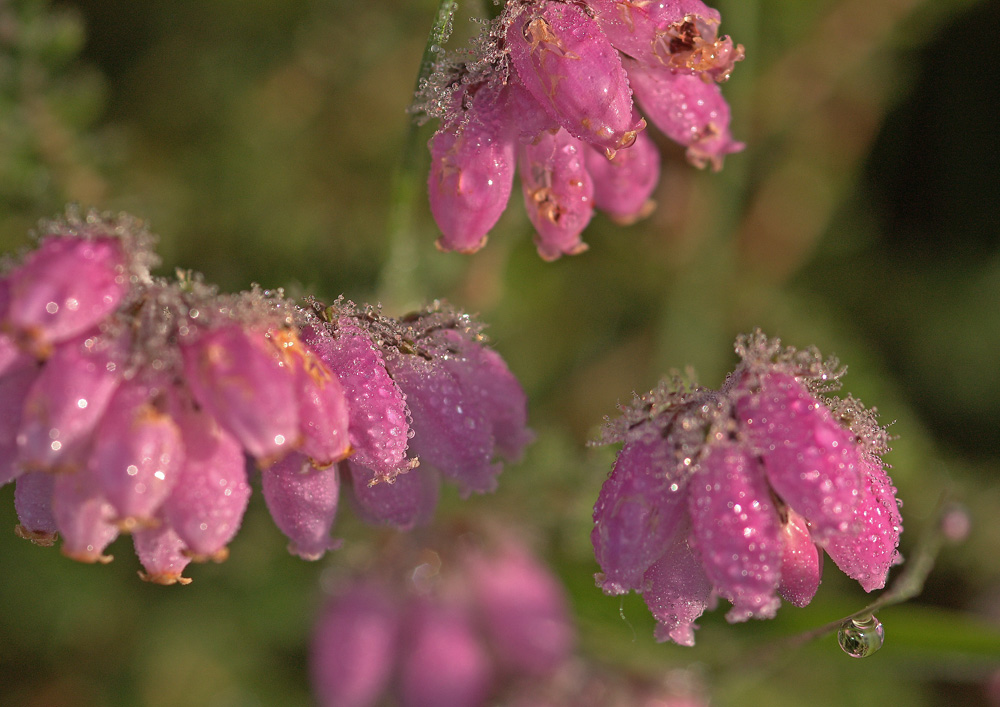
260	138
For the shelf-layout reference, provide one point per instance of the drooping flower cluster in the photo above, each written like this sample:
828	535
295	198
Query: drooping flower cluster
548	89
734	493
133	404
455	628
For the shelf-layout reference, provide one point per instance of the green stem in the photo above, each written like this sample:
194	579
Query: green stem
398	285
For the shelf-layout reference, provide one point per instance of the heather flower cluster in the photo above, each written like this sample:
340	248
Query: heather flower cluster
133	404
736	493
548	89
456	628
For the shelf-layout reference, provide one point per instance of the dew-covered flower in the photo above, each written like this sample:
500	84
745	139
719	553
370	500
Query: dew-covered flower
140	412
457	629
549	86
734	493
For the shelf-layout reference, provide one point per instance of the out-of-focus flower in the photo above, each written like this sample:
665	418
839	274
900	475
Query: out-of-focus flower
552	81
131	404
468	623
732	493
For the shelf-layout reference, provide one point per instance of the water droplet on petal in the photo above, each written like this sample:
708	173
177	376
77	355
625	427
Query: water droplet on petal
860	638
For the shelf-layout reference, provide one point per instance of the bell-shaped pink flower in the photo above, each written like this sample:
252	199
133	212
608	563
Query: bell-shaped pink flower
523	608
33	503
64	405
735	530
207	503
558	193
815	467
686	109
801	561
676	35
163	555
567	63
638	510
444	662
84	517
405	501
452	433
303	503
377	412
624	184
868	549
354	647
237	375
472	170
137	454
64	288
677	589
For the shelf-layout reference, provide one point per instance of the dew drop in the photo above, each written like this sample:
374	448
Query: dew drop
860	638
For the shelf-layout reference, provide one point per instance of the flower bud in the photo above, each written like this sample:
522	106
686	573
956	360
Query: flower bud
162	554
677	590
64	288
405	501
558	193
624	184
238	377
84	517
303	503
567	63
801	562
33	503
15	383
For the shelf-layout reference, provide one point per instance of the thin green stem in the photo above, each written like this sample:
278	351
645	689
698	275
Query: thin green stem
398	286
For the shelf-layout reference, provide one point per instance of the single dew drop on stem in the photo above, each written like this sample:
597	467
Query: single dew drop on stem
860	638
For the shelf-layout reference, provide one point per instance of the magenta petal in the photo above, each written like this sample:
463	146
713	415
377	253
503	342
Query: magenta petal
354	648
403	502
736	530
624	184
489	384
686	109
472	173
162	554
452	433
84	517
677	590
137	453
33	503
444	663
303	503
238	376
207	503
637	511
811	460
63	407
868	549
558	193
563	58
376	409
66	287
801	562
524	609
323	413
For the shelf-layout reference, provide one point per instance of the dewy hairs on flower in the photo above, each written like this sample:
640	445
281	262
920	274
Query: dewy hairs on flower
735	493
133	403
547	89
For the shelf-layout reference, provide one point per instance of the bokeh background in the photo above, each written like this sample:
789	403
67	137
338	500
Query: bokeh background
260	139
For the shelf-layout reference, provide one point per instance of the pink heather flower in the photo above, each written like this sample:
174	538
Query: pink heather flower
567	63
137	453
354	647
303	502
450	631
559	76
163	555
403	502
207	503
733	493
143	422
472	171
